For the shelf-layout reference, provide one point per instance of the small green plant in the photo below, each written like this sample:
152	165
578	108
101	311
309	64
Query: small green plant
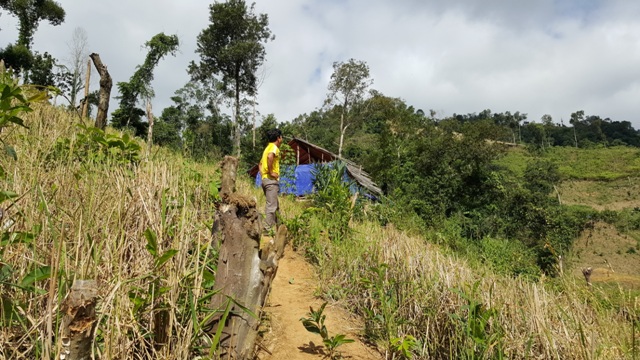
405	346
480	327
315	323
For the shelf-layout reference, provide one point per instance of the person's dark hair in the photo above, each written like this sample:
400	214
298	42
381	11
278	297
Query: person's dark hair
273	134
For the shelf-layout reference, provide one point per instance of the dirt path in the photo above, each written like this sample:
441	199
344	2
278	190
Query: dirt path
292	293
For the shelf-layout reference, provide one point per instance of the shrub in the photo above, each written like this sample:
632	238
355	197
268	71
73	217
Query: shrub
95	145
333	196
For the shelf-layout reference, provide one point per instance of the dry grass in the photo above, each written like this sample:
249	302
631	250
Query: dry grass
89	221
549	319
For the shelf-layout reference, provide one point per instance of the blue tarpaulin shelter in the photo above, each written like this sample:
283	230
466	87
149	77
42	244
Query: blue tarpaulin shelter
300	185
307	157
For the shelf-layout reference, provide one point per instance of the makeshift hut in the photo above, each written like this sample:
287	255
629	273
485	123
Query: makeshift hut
308	156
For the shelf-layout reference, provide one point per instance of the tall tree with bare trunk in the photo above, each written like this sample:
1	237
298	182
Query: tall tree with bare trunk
348	86
232	47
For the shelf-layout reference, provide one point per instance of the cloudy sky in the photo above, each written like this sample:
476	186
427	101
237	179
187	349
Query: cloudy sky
451	56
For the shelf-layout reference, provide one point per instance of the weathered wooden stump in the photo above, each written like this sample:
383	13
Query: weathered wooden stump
78	321
245	272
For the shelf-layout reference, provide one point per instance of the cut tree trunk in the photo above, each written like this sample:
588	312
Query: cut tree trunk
245	271
105	91
78	321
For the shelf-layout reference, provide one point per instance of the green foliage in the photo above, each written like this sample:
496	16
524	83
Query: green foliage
314	323
195	124
482	334
30	13
626	220
92	144
333	196
305	231
287	169
17	57
232	48
13	101
139	85
404	346
509	257
382	320
541	176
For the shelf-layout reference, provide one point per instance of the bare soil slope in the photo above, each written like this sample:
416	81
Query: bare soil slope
613	256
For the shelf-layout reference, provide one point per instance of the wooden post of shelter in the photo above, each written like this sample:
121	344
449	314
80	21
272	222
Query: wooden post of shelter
85	102
245	268
78	320
105	91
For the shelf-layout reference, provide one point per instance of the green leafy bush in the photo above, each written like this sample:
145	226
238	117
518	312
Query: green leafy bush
95	145
333	195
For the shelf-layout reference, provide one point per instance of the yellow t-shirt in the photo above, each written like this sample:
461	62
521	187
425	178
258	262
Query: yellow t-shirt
271	148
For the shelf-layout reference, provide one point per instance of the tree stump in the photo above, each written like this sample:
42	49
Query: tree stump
78	321
587	275
245	272
105	91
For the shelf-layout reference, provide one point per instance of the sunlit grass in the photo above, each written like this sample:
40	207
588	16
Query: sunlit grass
604	164
88	221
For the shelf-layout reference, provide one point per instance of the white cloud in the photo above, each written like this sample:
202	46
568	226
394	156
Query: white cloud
537	57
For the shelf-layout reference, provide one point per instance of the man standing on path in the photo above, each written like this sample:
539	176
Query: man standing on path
270	170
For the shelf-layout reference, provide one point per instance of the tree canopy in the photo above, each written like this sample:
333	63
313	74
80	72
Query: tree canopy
139	85
348	86
232	48
30	13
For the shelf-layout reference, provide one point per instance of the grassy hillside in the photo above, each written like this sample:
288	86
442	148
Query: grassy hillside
608	181
86	208
598	164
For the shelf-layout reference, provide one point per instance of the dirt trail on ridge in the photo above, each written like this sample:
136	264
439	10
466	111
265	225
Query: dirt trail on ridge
292	293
